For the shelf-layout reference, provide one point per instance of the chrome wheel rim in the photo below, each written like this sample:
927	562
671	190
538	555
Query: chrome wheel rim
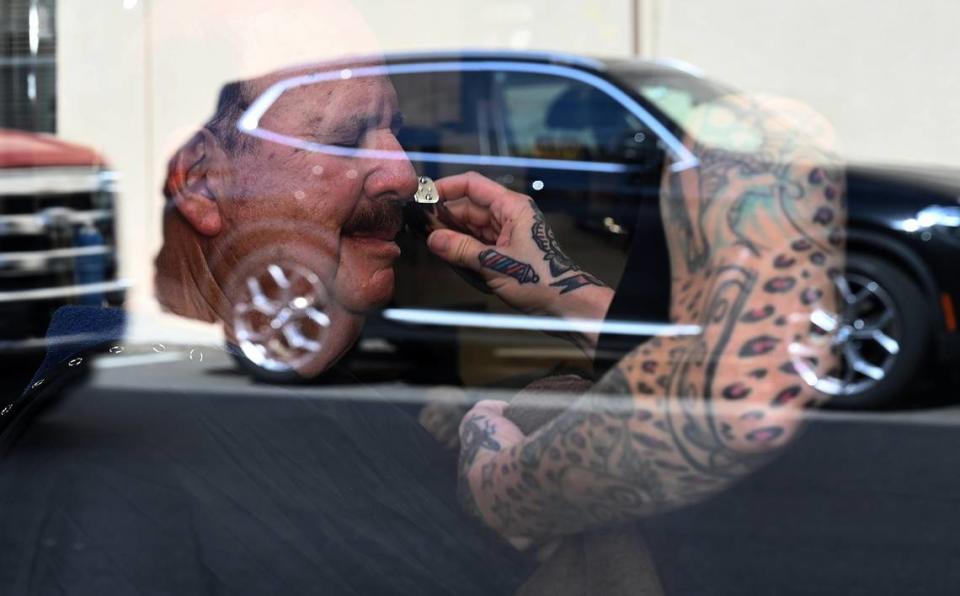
867	337
281	321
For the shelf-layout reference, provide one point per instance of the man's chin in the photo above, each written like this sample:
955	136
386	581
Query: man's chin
368	294
340	338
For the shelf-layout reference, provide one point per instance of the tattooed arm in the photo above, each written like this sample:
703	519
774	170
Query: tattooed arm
511	246
755	234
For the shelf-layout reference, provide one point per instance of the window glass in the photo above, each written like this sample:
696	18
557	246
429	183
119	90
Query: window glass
552	117
28	65
462	297
442	112
675	102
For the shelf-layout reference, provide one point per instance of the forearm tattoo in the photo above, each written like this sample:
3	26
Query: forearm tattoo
754	240
501	263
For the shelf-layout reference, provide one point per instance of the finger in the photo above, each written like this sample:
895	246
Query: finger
463	216
458	249
495	267
465	212
497	202
479	189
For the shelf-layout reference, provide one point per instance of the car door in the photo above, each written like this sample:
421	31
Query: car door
450	126
562	135
593	164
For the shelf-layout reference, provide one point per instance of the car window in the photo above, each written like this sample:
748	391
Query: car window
555	117
676	103
683	98
442	112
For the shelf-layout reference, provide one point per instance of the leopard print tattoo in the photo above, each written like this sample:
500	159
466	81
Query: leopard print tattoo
754	237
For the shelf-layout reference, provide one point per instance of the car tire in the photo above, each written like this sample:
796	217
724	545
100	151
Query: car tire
911	324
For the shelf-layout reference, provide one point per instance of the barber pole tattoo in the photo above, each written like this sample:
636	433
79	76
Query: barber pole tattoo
522	272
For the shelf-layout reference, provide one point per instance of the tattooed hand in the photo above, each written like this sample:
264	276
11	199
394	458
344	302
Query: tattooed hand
755	235
484	432
511	246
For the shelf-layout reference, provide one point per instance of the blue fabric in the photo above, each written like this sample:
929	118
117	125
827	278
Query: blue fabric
77	329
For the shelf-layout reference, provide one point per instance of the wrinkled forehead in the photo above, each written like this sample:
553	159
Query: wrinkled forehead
315	91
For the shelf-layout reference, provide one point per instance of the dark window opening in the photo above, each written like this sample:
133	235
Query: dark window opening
28	67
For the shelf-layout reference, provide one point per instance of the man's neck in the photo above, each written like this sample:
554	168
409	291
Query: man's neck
184	284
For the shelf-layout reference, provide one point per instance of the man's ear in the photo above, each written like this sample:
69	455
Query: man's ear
196	181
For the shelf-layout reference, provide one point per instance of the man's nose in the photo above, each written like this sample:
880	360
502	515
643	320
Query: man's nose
392	176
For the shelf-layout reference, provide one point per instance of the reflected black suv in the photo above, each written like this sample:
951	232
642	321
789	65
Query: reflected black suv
587	139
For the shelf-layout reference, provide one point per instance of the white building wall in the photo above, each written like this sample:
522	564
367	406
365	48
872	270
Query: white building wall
885	72
595	27
101	103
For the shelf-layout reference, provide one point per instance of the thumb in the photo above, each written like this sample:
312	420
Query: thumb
457	249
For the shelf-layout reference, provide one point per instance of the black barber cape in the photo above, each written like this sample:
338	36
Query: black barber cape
120	491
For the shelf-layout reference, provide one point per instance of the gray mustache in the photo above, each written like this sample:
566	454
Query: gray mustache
378	217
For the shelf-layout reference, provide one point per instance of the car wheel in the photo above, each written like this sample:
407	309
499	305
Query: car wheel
280	321
884	329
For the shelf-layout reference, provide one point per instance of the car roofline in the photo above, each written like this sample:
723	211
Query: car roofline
676	64
597	64
481	54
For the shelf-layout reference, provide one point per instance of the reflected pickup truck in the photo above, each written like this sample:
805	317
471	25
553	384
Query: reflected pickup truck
57	236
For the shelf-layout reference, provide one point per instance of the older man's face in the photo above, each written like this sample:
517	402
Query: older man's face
330	214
